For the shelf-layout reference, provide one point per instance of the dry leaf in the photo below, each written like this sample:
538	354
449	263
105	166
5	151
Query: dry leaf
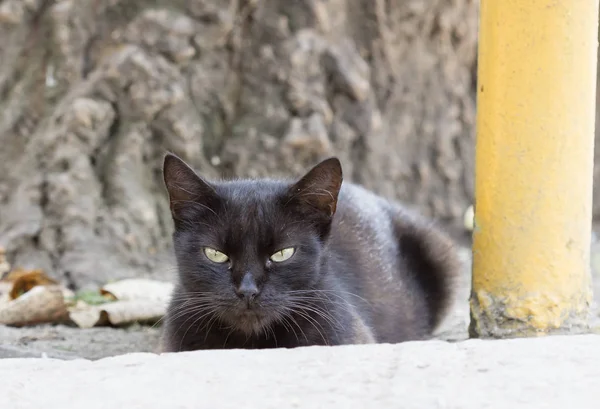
139	289
91	298
41	304
126	312
30	297
138	300
87	316
24	280
117	313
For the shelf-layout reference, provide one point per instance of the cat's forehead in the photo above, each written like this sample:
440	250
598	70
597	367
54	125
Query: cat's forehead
256	199
251	192
253	211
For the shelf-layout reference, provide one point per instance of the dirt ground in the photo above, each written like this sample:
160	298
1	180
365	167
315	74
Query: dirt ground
70	343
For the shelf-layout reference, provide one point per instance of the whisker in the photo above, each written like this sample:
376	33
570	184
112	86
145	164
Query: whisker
210	324
330	292
321	313
288	315
268	330
178	310
227	337
193	323
284	321
312	300
313	322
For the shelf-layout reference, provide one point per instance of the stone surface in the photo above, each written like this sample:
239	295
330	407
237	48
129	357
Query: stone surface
552	372
68	342
92	94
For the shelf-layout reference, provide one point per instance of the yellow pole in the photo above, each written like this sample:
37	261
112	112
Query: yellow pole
535	143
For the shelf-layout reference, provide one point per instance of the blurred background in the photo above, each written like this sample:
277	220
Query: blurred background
94	92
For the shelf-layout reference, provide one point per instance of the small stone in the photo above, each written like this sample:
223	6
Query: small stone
469	218
51	81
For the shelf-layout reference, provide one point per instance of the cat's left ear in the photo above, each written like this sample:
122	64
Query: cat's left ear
189	194
318	190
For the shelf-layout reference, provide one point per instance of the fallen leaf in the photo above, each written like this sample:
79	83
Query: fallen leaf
92	297
86	316
117	313
30	297
41	304
135	300
139	289
127	312
24	280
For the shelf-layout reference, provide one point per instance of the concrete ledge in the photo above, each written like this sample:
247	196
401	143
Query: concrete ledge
550	372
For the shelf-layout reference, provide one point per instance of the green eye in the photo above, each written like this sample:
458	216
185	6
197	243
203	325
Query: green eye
282	255
215	255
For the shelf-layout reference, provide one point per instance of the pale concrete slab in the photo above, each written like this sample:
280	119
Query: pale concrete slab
549	372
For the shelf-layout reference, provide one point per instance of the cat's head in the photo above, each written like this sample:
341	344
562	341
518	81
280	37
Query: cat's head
248	249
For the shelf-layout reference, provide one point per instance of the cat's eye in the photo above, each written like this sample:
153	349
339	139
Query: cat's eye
215	255
282	255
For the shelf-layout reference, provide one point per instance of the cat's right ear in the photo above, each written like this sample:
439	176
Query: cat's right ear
316	193
189	194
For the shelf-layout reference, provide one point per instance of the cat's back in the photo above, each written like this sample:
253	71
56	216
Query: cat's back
403	265
366	221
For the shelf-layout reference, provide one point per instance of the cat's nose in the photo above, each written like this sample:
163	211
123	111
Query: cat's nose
247	290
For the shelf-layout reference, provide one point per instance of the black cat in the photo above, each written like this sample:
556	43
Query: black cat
268	263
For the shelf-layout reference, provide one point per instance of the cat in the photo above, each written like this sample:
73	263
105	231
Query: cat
286	263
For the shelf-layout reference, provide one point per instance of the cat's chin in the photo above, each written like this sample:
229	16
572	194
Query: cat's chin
250	321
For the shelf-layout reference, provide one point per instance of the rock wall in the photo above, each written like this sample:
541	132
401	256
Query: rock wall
93	92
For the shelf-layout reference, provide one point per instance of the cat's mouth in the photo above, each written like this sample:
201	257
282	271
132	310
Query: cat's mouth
250	318
251	314
250	311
